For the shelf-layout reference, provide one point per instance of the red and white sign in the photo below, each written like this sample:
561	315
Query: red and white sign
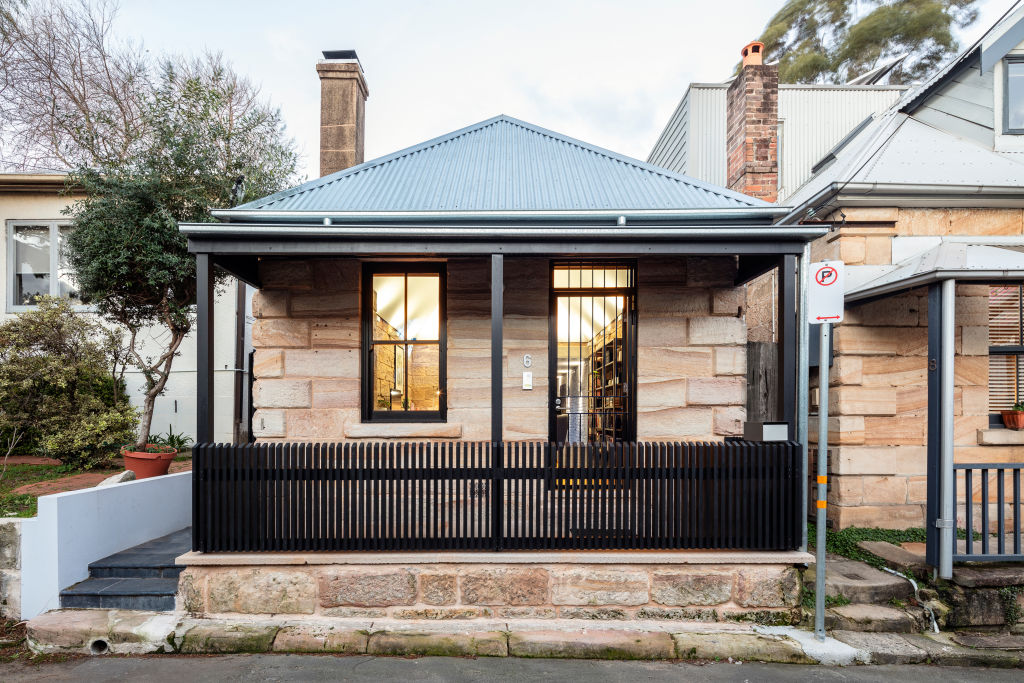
825	294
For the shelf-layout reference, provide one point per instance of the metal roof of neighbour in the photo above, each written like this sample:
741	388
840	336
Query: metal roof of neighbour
501	164
975	260
992	45
899	150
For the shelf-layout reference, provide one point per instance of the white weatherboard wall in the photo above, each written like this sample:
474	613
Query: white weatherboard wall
78	527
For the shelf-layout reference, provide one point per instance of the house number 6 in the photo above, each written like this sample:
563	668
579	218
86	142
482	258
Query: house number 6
527	360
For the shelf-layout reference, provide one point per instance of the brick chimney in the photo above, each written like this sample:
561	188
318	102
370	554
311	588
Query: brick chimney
752	127
343	94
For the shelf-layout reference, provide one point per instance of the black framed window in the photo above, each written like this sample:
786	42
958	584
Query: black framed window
404	339
1006	348
1013	95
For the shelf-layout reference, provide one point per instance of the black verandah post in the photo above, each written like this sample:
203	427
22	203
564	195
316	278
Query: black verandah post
497	343
204	348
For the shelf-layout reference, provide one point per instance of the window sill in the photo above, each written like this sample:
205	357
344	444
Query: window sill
1000	437
403	430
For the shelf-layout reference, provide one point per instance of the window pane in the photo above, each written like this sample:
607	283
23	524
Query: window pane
1014	95
31	263
66	282
424	307
389	377
424	376
1004	381
388	307
1004	315
568	277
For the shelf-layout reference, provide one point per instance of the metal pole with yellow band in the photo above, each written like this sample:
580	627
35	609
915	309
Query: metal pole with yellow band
824	308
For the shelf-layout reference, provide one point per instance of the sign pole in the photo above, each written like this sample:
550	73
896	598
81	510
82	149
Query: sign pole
825	303
819	545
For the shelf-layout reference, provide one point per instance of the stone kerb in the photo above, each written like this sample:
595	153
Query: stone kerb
767	594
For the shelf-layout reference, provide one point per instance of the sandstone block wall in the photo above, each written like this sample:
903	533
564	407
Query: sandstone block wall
10	568
691	351
878	401
764	593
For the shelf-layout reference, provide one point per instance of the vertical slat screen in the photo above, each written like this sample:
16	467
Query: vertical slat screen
443	496
988	539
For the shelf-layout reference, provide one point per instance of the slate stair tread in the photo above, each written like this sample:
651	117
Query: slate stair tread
143	577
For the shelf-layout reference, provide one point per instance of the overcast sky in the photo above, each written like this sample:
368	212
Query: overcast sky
606	72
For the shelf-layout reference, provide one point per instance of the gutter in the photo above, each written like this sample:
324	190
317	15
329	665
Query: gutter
787	232
931	277
417	216
893	192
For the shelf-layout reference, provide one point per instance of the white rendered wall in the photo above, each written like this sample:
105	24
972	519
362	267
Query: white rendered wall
78	527
177	406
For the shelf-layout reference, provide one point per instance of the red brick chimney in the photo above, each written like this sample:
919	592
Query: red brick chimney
752	127
343	94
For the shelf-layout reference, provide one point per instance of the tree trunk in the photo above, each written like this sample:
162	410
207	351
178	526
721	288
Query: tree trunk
146	421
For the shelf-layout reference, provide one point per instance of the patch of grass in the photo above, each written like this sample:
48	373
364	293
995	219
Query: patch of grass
807	597
19	505
845	542
18	475
1011	610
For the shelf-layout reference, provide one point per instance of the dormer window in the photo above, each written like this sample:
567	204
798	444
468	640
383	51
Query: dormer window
1013	96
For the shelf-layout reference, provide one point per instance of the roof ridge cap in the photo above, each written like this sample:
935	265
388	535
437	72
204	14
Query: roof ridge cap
636	163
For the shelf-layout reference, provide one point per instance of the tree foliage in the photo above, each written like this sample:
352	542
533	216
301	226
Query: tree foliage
61	385
834	41
69	86
210	142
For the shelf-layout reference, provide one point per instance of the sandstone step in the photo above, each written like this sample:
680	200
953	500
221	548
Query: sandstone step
989	576
897	557
870	618
859	582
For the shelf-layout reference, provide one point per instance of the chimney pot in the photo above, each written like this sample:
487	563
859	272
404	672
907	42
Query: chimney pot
753	53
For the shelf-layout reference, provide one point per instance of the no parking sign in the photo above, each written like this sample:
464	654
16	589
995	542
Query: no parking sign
825	295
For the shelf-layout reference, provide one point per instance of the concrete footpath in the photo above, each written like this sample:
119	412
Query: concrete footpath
175	669
100	632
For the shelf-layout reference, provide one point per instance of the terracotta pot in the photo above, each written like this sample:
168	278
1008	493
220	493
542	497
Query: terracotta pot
146	465
1013	419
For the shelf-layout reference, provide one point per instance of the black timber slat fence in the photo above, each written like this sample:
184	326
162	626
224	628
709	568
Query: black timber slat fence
991	522
483	496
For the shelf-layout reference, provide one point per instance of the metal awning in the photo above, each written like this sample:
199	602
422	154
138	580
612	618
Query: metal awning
952	259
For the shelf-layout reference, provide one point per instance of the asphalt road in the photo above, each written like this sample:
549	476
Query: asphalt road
361	668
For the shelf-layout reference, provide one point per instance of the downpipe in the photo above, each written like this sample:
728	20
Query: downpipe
917	596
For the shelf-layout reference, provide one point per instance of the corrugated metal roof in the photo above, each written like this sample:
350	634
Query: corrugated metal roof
896	149
502	164
947	260
812	119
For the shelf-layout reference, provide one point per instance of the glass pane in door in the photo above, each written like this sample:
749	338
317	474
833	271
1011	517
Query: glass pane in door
592	372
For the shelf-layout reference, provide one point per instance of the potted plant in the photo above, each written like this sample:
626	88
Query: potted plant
1014	419
154	461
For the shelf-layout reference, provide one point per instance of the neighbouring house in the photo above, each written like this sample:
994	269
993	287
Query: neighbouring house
505	339
924	191
926	202
31	213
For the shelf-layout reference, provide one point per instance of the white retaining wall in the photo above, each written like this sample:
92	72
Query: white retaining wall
78	527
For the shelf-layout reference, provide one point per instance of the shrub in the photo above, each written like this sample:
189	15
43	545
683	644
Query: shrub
60	385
